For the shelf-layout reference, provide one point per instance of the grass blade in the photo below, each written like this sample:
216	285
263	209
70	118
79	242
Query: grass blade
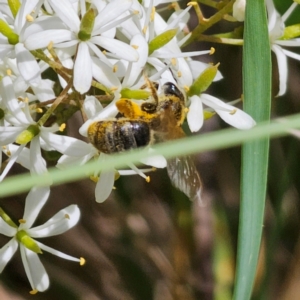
257	93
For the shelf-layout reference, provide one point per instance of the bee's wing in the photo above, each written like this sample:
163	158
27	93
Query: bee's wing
184	176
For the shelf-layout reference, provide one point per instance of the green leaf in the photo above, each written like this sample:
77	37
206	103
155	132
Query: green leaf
257	95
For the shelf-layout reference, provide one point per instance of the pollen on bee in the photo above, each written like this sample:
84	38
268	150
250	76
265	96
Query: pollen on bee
33	292
62	127
29	18
22	221
8	72
82	261
233	111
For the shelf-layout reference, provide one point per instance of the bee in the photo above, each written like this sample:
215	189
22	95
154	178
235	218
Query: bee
154	121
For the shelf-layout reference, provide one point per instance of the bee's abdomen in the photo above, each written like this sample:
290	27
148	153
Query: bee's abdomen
119	135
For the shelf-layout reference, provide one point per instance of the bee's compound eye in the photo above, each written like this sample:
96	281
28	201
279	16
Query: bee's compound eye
148	107
170	88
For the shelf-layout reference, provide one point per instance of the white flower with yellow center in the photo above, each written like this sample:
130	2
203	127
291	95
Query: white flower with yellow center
24	235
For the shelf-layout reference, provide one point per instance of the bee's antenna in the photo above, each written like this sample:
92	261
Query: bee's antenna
153	88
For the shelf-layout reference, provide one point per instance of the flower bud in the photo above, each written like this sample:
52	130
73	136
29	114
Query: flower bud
161	40
14	6
203	81
135	94
27	135
12	37
291	32
87	25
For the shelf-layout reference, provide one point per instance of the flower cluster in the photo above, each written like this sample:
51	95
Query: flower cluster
101	51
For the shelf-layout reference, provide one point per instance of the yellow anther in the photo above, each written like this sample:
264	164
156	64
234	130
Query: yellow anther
62	127
114	188
152	14
82	261
67	216
186	88
179	73
147	179
192	3
33	292
22	221
104	52
135	47
153	169
212	51
233	111
113	88
136	12
94	178
8	72
144	30
50	45
39	110
115	68
29	18
173	61
172	6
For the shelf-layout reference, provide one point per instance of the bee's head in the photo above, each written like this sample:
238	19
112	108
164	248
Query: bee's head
170	88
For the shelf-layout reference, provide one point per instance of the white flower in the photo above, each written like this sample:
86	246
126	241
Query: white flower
66	33
230	114
24	235
27	64
276	33
238	10
22	128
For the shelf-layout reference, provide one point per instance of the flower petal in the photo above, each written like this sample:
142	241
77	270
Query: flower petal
27	65
104	185
61	222
91	106
230	114
116	47
42	39
282	68
83	69
37	162
7	229
195	114
35	271
155	160
65	144
7	252
35	200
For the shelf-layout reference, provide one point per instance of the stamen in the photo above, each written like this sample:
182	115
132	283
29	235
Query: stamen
39	110
22	221
82	261
62	127
33	292
8	72
135	47
233	111
152	14
212	51
29	18
94	178
173	61
67	216
115	68
179	73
